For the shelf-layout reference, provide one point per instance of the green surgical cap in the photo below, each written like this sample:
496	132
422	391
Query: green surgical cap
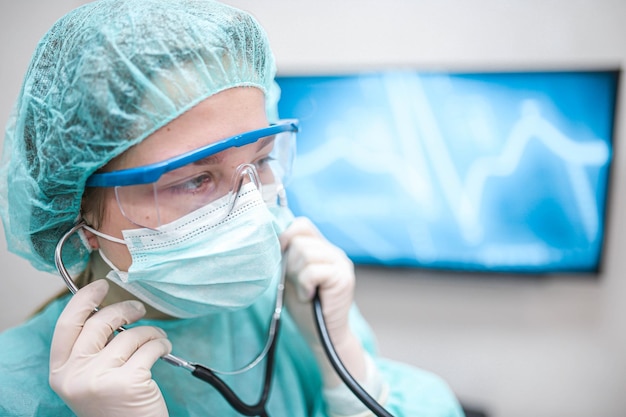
106	76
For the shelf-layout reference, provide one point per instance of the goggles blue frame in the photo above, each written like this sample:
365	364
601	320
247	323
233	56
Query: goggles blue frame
147	174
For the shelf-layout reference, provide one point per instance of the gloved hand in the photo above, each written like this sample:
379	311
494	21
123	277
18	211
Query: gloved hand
312	261
100	375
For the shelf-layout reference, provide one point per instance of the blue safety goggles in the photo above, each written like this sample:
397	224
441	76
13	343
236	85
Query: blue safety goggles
162	192
151	173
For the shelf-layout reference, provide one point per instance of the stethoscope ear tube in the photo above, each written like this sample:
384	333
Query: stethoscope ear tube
336	363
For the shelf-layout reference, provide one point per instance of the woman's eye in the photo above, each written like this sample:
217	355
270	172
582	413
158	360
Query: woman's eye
263	163
199	183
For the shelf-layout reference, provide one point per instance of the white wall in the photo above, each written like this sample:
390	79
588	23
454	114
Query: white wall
517	347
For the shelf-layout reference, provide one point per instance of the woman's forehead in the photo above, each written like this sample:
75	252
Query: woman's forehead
226	114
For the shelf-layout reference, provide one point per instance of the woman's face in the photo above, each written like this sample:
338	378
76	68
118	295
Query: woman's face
225	114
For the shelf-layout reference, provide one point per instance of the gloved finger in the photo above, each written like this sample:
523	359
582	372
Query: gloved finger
305	250
301	226
297	260
71	321
130	343
149	353
100	326
313	276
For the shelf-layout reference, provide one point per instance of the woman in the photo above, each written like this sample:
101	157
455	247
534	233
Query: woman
148	130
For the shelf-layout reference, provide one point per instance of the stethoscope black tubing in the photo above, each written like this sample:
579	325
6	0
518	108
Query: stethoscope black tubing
338	365
229	395
258	409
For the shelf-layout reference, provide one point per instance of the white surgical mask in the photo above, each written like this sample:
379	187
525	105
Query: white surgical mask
200	264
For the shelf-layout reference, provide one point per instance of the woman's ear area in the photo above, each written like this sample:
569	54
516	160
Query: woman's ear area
89	218
93	212
92	239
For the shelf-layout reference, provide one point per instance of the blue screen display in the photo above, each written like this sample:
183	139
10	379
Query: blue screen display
496	172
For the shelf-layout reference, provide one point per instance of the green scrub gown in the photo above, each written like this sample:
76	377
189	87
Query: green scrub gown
225	341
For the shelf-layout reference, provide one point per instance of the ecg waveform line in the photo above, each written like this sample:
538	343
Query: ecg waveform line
464	197
576	155
421	145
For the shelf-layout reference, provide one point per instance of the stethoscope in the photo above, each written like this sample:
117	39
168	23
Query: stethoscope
210	375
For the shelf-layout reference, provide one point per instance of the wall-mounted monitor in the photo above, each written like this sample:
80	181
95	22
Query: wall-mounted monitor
490	171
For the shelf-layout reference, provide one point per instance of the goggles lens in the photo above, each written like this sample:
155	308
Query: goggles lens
204	180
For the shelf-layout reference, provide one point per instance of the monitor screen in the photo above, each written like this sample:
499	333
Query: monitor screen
492	171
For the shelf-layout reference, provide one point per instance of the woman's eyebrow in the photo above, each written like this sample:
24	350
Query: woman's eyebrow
211	159
219	157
